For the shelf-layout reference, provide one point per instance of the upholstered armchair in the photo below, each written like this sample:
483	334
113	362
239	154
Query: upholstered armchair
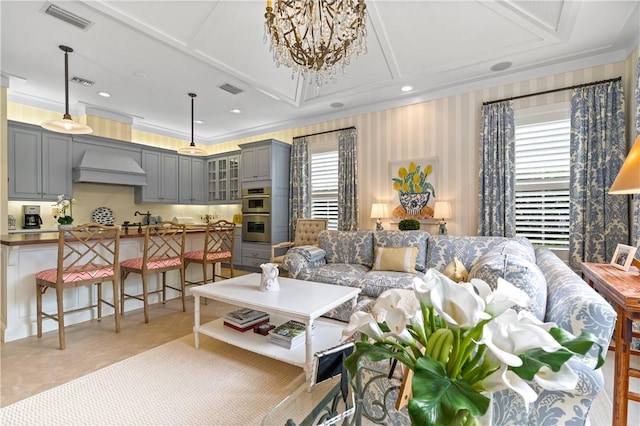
306	234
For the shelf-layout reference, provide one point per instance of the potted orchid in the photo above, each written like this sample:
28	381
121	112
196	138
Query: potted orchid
60	210
465	342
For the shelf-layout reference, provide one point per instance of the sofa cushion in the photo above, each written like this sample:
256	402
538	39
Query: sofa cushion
374	283
355	247
405	239
345	274
518	271
398	259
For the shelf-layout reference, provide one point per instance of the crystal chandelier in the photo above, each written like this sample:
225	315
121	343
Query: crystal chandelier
316	36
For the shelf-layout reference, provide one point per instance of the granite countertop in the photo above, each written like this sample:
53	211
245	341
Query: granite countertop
33	238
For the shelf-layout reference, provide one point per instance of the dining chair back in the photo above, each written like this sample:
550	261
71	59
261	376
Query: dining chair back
163	251
87	255
218	248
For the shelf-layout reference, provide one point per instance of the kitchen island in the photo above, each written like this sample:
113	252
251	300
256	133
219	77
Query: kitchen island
24	255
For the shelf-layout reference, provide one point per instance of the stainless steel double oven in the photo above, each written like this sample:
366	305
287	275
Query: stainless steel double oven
256	214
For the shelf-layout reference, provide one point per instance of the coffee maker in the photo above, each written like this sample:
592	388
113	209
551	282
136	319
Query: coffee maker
32	219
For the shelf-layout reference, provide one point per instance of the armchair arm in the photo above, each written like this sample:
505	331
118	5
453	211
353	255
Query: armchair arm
284	244
299	267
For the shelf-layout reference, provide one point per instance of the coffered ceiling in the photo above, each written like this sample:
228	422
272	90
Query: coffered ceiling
149	54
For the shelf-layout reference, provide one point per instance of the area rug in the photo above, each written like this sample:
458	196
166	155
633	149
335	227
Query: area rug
173	384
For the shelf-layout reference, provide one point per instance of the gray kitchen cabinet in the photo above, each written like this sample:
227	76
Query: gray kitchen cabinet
223	177
162	178
237	246
191	180
255	254
256	161
39	163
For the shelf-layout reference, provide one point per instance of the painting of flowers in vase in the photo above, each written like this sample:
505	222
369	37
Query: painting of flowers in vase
414	182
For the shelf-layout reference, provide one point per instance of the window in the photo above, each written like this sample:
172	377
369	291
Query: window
324	180
542	177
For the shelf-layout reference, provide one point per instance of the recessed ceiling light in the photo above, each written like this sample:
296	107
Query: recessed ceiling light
104	94
198	121
236	111
501	66
140	74
336	105
406	88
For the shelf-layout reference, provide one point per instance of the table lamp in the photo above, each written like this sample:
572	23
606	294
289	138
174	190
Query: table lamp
378	211
442	210
628	179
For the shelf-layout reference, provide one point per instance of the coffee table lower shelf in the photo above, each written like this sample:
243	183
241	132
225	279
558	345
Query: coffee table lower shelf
327	333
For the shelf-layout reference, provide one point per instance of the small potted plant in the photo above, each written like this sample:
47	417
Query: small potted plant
60	211
408	225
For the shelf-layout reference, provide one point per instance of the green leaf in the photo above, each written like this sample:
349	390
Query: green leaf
437	398
581	344
370	351
534	359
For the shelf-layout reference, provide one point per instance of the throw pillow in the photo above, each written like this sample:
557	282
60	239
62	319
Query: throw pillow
456	271
398	259
518	271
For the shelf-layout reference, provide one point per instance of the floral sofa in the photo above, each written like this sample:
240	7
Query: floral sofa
558	295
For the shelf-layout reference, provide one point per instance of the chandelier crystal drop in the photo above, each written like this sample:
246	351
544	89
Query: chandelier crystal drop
316	37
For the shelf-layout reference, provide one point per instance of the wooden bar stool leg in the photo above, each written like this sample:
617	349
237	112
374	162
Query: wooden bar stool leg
115	303
99	301
164	287
144	298
60	317
39	289
204	272
123	276
183	286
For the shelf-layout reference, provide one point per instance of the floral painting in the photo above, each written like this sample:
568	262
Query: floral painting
415	184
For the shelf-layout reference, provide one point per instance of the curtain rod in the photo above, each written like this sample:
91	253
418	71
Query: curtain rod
577	86
328	131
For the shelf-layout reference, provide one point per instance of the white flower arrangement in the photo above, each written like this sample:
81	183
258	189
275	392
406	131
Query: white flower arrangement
465	341
59	210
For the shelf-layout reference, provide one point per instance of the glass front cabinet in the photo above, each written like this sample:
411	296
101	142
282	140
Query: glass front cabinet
224	178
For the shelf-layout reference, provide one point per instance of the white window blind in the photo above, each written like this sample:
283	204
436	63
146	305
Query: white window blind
324	182
542	183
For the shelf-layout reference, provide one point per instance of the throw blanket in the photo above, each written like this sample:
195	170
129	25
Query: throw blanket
311	253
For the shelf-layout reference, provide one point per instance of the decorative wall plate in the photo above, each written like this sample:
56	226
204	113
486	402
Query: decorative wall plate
103	216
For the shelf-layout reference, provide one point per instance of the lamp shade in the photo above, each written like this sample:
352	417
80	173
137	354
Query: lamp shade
379	210
442	210
628	179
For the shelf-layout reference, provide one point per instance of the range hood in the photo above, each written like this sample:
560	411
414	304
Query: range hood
109	168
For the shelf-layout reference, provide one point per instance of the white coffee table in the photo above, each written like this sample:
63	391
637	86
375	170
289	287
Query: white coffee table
303	301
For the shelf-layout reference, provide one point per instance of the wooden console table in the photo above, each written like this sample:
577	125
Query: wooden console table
622	289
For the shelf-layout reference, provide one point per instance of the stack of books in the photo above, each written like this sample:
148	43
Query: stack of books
288	335
245	319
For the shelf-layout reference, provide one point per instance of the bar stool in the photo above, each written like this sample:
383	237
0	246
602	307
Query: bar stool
218	247
87	255
163	251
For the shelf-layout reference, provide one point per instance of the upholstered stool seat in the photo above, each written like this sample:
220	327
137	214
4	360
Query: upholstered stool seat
163	252
218	247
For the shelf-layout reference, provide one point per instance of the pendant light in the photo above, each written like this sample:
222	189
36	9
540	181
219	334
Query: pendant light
192	149
66	124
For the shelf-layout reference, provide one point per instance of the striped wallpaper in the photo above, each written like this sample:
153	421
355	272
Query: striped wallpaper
447	128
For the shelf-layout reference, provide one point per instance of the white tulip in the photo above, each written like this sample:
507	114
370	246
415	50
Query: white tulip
563	380
457	303
365	323
506	336
503	379
505	296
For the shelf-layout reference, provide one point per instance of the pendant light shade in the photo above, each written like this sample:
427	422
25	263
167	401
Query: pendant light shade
66	124
192	149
